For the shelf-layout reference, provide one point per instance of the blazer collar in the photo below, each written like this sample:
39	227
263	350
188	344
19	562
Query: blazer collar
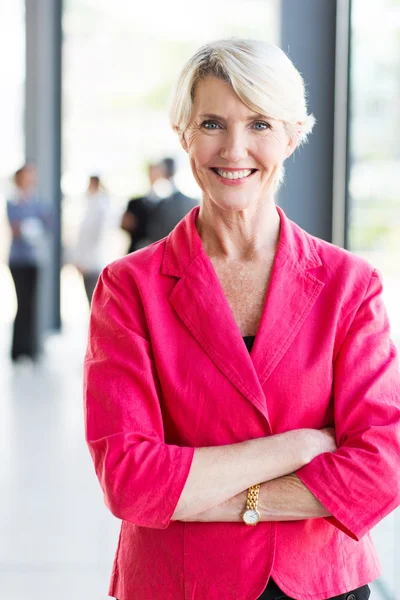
183	245
199	301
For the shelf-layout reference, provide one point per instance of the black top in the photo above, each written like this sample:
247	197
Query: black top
249	341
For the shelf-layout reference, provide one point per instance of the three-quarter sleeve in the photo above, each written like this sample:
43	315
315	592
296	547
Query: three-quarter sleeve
142	477
360	483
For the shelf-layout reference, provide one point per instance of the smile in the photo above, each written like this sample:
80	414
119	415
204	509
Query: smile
239	174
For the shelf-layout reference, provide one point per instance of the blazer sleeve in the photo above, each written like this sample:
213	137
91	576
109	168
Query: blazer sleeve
359	483
142	477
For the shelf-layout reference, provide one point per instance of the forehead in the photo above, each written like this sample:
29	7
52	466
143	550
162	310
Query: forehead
214	96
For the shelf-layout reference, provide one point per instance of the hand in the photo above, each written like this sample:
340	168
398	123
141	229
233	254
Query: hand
329	439
320	441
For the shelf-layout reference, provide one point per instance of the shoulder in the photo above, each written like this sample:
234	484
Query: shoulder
332	262
136	203
346	276
342	263
125	286
143	264
12	202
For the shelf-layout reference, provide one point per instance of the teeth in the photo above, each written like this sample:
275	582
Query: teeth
234	174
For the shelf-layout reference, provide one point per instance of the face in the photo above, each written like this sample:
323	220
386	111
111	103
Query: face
26	179
235	154
94	184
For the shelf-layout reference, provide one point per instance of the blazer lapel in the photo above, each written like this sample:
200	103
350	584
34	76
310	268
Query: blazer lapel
292	293
290	298
199	301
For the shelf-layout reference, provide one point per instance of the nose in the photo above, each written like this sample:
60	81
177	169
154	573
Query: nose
234	146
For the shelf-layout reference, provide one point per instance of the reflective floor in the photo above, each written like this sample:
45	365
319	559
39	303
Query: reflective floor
57	540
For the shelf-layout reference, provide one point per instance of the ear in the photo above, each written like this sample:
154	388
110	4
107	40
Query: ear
183	142
290	148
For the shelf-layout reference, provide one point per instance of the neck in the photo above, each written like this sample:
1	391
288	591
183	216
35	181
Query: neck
23	194
239	235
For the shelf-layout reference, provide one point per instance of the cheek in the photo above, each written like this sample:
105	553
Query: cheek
271	152
202	150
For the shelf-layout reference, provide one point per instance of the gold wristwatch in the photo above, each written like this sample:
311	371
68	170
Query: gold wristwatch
250	515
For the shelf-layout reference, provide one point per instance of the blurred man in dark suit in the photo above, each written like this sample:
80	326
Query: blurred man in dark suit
150	218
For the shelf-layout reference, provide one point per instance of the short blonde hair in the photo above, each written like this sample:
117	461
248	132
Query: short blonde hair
261	74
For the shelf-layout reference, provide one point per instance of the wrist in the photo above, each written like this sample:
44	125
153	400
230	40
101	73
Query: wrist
250	515
227	512
309	445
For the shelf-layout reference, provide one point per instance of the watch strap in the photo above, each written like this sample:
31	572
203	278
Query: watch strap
252	497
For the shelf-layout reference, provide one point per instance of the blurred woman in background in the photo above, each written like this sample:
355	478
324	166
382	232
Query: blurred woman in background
28	217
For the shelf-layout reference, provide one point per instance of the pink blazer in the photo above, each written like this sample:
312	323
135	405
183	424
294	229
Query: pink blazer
166	371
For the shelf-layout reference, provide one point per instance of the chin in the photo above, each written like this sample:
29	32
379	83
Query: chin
236	207
233	203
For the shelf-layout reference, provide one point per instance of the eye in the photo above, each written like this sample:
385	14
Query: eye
210	125
261	126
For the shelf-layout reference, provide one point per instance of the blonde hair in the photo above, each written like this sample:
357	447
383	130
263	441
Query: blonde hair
261	74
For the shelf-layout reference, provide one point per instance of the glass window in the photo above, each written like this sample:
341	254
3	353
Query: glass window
12	78
374	216
374	210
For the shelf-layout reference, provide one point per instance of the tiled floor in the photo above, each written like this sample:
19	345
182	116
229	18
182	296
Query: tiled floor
57	540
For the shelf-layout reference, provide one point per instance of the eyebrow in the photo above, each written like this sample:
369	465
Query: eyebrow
220	118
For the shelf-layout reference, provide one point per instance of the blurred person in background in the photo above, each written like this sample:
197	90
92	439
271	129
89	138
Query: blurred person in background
29	218
173	207
89	255
135	218
242	390
152	217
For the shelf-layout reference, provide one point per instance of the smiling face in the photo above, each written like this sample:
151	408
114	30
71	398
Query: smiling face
235	154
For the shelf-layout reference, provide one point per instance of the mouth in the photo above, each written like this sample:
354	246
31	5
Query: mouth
231	174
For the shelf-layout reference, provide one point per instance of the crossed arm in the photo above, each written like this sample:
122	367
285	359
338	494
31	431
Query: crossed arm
217	485
282	499
142	476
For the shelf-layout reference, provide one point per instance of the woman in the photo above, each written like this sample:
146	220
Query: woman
28	218
90	249
219	458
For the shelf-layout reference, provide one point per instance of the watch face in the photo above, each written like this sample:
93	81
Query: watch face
251	516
